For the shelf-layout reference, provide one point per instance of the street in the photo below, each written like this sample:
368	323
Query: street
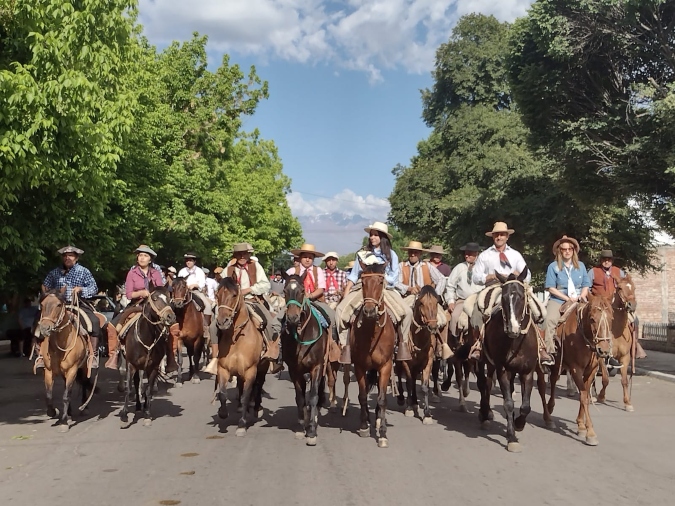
190	457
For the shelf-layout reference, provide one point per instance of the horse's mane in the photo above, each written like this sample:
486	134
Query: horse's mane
229	284
375	269
54	291
429	290
180	281
294	277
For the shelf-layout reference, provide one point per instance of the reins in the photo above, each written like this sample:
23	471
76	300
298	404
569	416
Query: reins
378	302
306	303
234	313
161	313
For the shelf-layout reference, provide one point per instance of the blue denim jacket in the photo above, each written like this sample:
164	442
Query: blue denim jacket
557	278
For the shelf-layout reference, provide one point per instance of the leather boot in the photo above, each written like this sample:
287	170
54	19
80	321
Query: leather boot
94	347
403	352
112	347
345	355
171	365
212	368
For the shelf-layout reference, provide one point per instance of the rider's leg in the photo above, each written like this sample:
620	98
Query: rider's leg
443	351
403	350
112	346
550	325
95	333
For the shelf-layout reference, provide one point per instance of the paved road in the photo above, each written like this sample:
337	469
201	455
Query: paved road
189	456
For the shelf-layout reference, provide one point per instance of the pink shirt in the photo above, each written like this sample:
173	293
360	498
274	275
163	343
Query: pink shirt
320	283
136	280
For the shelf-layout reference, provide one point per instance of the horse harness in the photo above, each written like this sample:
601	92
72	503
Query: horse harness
234	311
161	313
592	345
306	303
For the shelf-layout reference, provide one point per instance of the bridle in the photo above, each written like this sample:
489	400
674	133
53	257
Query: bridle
306	304
597	339
379	303
61	322
233	314
58	323
161	315
525	312
426	322
180	302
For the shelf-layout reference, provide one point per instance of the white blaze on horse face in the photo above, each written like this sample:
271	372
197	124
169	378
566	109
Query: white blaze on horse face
515	326
293	285
163	297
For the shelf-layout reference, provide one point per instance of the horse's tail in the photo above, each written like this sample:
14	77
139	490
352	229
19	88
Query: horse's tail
371	380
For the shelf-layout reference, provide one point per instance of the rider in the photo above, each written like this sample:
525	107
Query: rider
460	284
336	279
566	281
196	282
436	253
413	274
498	258
78	281
379	243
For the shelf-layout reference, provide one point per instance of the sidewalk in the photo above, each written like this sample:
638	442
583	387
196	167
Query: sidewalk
657	364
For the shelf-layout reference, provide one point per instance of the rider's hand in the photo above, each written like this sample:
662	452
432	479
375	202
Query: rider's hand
77	290
574	298
451	307
246	291
415	290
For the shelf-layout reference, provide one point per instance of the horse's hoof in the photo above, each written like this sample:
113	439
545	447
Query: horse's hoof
195	380
466	392
241	432
63	428
434	398
491	416
571	393
300	435
463	408
427	420
601	400
311	441
514	447
629	408
222	413
383	442
147	422
364	432
259	413
550	424
178	384
592	440
485	424
51	412
594	399
581	432
409	413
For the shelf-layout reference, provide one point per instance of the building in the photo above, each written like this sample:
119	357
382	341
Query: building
655	290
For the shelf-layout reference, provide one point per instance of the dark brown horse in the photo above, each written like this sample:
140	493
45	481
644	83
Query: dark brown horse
509	350
424	328
64	349
190	323
372	338
240	347
305	346
145	347
585	335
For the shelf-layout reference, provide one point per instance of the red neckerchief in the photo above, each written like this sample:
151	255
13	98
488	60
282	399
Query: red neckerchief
241	272
309	282
331	279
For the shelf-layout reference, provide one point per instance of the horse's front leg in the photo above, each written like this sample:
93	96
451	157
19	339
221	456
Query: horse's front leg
196	357
381	421
459	379
505	382
364	430
625	361
589	377
49	392
485	386
124	415
70	380
152	378
542	387
222	378
138	385
602	396
249	379
426	375
346	373
300	385
179	361
526	384
435	371
399	369
315	380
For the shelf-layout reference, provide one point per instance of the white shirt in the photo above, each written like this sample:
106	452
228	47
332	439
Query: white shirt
211	288
195	276
488	263
262	285
459	287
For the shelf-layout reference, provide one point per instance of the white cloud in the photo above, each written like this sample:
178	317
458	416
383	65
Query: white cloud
365	35
346	203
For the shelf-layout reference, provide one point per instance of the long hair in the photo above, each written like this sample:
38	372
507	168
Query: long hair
385	246
559	257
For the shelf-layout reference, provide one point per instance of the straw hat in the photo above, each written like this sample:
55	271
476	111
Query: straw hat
415	246
436	250
350	265
172	269
70	249
331	254
218	270
499	226
242	247
564	239
380	227
306	248
145	249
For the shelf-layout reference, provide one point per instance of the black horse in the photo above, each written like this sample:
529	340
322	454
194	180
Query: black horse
144	349
510	350
304	345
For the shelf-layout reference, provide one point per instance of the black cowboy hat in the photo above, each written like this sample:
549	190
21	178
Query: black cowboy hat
471	246
606	253
190	254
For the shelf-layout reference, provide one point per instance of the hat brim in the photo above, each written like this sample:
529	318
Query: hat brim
406	248
510	231
370	229
298	252
64	251
571	240
478	249
148	251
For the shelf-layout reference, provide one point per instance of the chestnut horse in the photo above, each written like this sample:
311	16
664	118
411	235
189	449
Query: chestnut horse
424	326
240	348
372	338
190	323
624	337
144	349
64	350
586	334
509	350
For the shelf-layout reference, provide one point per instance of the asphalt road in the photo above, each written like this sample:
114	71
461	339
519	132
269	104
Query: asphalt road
190	457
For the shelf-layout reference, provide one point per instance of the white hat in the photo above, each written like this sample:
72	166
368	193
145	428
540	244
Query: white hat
380	227
331	254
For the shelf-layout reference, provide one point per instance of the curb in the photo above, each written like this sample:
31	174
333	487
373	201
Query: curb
655	374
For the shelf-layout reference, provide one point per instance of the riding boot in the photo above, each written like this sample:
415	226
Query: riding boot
172	343
112	347
278	364
476	350
94	347
402	350
545	358
39	360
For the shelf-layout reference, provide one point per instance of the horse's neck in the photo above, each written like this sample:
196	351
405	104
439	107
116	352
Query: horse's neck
61	339
620	315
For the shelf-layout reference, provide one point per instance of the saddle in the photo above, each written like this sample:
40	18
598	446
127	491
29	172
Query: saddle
123	327
256	315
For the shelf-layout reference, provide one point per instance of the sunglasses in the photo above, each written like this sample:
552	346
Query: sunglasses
566	249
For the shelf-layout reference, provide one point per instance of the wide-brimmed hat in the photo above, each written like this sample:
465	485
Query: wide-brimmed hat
206	270
563	239
306	248
190	254
331	254
380	227
218	270
70	249
499	226
415	246
350	265
172	269
471	246
242	247
436	250
606	253
143	248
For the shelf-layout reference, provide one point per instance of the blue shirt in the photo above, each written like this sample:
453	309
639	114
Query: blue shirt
76	276
390	272
558	278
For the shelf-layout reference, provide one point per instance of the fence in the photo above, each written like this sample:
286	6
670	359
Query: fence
658	332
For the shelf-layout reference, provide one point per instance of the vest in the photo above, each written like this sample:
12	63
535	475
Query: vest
426	276
250	269
602	285
315	276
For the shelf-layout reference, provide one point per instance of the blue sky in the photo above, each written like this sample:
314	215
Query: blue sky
344	79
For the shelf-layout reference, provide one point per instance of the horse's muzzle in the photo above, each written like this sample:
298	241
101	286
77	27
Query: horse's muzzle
631	306
224	324
293	319
46	329
370	312
170	319
179	304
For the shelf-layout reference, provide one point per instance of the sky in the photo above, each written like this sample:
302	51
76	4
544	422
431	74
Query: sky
344	80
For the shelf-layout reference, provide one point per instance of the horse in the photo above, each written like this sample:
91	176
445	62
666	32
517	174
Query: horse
240	348
372	338
509	350
64	350
623	342
585	335
460	365
190	323
305	346
425	325
145	346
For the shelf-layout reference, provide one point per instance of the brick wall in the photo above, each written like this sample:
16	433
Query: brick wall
655	290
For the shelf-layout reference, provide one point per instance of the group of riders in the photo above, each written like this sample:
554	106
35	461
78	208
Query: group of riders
337	294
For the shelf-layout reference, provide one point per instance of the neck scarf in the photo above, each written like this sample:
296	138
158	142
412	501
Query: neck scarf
309	282
331	279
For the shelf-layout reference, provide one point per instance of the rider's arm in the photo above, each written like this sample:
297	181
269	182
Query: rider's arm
49	283
129	287
480	270
262	284
320	284
450	294
88	287
438	279
393	271
402	288
585	282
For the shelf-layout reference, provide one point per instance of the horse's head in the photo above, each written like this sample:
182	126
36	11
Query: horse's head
601	315
180	292
514	302
625	288
52	311
294	293
228	296
160	302
373	282
426	306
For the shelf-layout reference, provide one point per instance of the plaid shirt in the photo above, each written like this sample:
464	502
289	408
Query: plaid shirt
333	294
76	276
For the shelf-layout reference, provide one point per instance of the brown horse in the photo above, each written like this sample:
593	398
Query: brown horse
190	323
509	350
425	326
65	351
372	338
240	348
585	335
623	337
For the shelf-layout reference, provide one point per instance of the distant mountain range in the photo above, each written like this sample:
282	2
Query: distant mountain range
340	232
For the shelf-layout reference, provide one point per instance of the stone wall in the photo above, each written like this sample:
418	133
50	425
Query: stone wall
655	290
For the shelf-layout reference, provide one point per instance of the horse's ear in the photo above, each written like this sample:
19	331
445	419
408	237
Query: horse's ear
523	275
302	278
502	279
285	276
151	285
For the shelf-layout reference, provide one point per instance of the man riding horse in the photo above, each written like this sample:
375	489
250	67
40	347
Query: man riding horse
415	274
78	281
436	253
460	285
336	280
